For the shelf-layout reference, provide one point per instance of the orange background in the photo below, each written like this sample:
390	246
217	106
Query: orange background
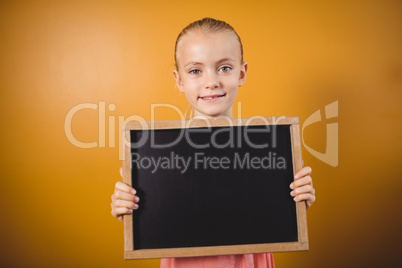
302	55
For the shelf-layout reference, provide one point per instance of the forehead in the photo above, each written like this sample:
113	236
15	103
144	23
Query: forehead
200	47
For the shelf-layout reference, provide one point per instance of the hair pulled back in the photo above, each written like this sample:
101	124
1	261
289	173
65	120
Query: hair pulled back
207	25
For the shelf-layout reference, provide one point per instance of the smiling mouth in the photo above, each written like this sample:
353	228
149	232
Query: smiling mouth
212	97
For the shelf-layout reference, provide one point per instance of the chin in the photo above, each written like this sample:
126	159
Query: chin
213	112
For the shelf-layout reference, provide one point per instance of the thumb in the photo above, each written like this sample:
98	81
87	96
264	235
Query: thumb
121	172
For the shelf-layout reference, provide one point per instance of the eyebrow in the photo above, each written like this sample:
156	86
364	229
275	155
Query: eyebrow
199	63
225	59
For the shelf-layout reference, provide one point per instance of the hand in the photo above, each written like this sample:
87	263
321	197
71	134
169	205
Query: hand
303	187
124	199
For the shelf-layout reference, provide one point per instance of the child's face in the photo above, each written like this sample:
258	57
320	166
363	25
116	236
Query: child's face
210	72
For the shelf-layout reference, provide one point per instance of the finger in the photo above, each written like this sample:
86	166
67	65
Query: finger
303	172
310	201
125	196
307	189
125	187
116	212
305	197
307	180
119	217
121	172
123	203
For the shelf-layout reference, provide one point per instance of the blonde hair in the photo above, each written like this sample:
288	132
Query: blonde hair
207	25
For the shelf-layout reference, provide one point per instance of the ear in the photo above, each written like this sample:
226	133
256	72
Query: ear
179	83
243	73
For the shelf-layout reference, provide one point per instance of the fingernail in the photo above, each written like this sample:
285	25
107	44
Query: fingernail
137	199
130	211
291	186
292	193
295	199
296	176
135	206
133	191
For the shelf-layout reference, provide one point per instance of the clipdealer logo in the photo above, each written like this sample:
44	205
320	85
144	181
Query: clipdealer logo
111	120
330	156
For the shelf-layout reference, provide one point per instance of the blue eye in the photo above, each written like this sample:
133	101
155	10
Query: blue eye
195	71
225	69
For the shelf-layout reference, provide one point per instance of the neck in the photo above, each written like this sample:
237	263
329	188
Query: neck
227	114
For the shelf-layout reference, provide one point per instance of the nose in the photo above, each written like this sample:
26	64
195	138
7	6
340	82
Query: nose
212	80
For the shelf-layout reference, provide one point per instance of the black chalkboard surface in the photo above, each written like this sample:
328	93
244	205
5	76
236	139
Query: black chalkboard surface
209	187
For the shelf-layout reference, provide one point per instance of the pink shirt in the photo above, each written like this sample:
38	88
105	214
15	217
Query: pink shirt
261	260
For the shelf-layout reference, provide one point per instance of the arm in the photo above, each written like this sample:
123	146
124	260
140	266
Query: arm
124	199
302	187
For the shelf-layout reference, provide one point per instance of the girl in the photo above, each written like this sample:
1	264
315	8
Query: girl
209	70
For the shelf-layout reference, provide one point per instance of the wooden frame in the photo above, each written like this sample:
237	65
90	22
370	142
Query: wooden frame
301	244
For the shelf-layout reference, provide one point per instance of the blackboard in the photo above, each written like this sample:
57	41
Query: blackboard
213	187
